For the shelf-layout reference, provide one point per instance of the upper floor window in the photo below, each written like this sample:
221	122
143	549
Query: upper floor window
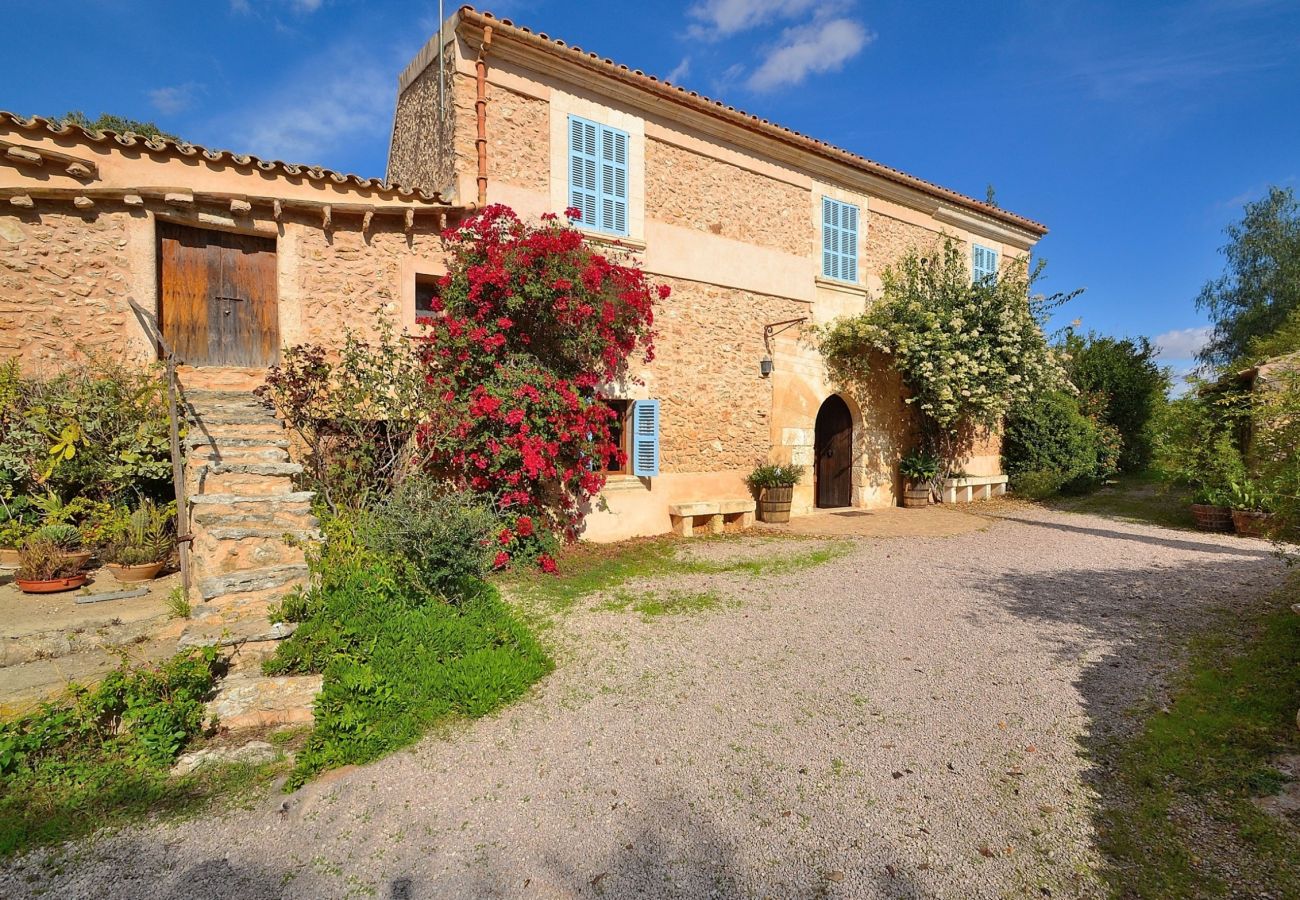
839	240
984	264
598	175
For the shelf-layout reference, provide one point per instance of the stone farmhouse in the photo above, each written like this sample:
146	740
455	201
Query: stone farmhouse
757	229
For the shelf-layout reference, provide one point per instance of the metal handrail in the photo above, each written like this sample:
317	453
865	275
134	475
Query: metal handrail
183	537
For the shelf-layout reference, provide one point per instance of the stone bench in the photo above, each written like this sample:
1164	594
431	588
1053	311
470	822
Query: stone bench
974	487
718	513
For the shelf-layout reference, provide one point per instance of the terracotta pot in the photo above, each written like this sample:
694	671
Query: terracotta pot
1212	518
9	558
52	586
1250	522
132	574
916	498
80	558
774	504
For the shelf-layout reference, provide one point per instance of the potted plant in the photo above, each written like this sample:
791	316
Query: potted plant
142	545
775	487
67	538
1210	509
44	568
1250	513
919	471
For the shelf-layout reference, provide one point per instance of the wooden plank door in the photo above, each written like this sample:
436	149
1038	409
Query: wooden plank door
217	296
833	454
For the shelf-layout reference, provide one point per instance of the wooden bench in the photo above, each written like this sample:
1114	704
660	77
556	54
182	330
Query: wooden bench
718	513
974	487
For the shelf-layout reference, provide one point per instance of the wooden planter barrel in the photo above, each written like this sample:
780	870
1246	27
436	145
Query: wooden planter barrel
1250	522
774	503
1212	518
916	498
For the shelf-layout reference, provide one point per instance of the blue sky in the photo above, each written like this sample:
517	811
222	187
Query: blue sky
1135	130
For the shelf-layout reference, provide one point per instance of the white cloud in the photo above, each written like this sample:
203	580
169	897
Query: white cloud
298	6
807	49
310	119
720	18
173	99
1182	343
680	71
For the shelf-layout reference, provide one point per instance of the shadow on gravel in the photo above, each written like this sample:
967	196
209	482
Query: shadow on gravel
1171	543
217	879
1144	614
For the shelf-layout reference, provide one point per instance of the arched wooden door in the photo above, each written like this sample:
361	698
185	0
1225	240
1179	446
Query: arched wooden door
833	454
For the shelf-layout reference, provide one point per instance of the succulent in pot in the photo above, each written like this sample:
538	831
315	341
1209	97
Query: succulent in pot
142	544
775	486
44	568
920	471
67	538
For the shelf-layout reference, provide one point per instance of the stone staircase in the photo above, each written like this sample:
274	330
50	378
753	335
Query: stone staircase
244	517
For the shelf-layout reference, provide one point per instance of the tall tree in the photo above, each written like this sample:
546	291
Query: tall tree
1260	286
1128	383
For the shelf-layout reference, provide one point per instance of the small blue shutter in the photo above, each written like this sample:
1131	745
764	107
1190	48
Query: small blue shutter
598	175
613	181
583	184
839	240
984	264
645	438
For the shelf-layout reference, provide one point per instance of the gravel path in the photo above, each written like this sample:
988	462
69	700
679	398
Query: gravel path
910	719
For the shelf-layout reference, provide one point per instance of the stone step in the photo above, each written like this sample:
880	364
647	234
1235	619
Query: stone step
213	556
209	481
230	416
234	631
238	533
277	520
223	467
250	580
252	453
256	701
220	378
197	440
294	499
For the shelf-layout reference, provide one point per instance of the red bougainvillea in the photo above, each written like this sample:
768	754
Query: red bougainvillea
526	327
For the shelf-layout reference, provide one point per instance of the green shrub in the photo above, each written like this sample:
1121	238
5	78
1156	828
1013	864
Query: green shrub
1051	439
98	431
770	476
1037	484
69	766
1197	443
441	536
395	658
1126	374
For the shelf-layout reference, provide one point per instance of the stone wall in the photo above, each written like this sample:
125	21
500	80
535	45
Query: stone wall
519	132
716	406
64	283
707	194
347	279
889	239
424	140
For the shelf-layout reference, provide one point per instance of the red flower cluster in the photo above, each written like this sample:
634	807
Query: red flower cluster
528	323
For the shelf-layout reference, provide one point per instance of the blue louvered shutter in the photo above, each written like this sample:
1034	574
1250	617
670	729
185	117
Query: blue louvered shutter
613	181
984	264
584	187
645	438
839	240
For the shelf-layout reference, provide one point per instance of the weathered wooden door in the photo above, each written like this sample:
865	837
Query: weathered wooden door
833	454
217	296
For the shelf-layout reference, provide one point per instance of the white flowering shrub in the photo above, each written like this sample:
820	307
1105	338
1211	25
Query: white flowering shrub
968	352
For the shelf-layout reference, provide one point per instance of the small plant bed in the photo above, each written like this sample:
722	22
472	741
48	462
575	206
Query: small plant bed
1185	819
403	645
101	757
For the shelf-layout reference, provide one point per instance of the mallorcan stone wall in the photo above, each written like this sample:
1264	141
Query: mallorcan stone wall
64	283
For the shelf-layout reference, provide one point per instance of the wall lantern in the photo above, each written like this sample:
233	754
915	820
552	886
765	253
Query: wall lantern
770	331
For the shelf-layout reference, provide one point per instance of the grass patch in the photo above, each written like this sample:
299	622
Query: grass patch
670	603
589	569
396	660
1194	770
1137	498
101	757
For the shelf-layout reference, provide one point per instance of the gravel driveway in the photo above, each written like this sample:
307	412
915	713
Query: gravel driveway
913	718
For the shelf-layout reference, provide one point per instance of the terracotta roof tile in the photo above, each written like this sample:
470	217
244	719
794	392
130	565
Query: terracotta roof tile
717	107
182	148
